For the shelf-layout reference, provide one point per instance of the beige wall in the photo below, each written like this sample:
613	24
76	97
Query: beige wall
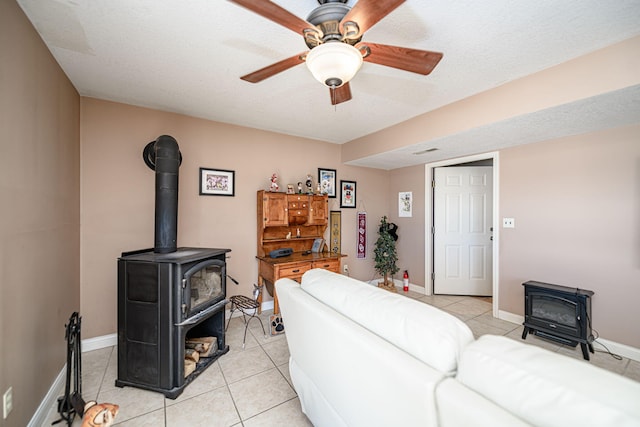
118	194
40	216
411	231
576	204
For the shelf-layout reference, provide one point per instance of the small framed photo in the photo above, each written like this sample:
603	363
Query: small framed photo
347	194
327	181
405	203
217	182
317	245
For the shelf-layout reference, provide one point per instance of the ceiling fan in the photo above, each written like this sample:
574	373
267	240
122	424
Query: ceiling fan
334	30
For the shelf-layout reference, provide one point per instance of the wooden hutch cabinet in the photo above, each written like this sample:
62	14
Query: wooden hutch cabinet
291	221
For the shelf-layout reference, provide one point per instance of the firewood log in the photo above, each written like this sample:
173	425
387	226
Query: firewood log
200	347
189	367
209	345
191	354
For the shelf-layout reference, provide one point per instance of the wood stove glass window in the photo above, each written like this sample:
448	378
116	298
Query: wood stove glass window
554	310
206	285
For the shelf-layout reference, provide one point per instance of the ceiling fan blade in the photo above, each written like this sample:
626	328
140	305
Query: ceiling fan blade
366	13
340	94
275	13
403	58
273	69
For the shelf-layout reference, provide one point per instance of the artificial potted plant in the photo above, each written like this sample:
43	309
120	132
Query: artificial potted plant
386	255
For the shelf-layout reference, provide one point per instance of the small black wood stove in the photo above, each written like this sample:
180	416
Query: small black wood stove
558	313
163	299
167	295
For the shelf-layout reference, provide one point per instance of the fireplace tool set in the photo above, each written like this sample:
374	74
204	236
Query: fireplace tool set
72	402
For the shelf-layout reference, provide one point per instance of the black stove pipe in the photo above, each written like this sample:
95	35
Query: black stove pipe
167	162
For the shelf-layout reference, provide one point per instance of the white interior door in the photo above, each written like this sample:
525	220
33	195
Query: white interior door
463	243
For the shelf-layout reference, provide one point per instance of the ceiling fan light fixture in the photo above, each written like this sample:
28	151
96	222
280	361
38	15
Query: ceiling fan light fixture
334	63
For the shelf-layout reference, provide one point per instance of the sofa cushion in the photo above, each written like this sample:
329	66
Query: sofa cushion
429	334
546	388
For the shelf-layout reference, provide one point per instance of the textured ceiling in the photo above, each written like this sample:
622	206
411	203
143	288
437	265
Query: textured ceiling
187	57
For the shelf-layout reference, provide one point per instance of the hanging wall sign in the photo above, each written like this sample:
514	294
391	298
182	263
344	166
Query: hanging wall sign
362	235
335	222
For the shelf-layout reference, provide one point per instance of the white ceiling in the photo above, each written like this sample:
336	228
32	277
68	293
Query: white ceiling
187	57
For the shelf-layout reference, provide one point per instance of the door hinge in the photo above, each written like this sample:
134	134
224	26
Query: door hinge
433	276
433	183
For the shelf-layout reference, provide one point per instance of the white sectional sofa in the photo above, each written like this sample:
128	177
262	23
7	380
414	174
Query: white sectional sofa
362	356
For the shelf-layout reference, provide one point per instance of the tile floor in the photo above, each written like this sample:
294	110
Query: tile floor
252	387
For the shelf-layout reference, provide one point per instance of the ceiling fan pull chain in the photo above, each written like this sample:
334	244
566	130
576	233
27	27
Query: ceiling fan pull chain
333	98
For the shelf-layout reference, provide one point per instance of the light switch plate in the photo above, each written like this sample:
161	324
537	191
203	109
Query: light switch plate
7	402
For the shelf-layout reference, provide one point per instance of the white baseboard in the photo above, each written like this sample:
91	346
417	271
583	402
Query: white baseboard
599	344
49	401
267	305
510	317
97	343
617	348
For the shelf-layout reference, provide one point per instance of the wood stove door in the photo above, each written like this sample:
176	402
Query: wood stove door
203	285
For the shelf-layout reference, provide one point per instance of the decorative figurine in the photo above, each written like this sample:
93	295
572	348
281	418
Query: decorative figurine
318	189
290	189
299	188
309	184
274	183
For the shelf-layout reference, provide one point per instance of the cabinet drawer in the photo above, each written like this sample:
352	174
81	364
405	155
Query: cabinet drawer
328	264
297	205
293	271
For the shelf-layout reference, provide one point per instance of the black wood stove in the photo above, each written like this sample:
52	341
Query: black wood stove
167	295
163	299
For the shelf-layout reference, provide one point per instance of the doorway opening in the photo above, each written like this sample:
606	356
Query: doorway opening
490	266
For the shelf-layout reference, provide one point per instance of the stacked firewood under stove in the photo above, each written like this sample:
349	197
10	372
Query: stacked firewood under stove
196	349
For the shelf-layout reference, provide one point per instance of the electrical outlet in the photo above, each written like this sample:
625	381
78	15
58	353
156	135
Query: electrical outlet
7	402
508	223
345	269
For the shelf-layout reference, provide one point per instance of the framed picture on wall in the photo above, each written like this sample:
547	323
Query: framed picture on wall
327	181
217	182
347	194
405	204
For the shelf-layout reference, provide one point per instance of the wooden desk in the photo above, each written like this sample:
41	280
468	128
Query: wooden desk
292	267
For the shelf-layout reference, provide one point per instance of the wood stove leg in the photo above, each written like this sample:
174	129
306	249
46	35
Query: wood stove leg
525	331
585	351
